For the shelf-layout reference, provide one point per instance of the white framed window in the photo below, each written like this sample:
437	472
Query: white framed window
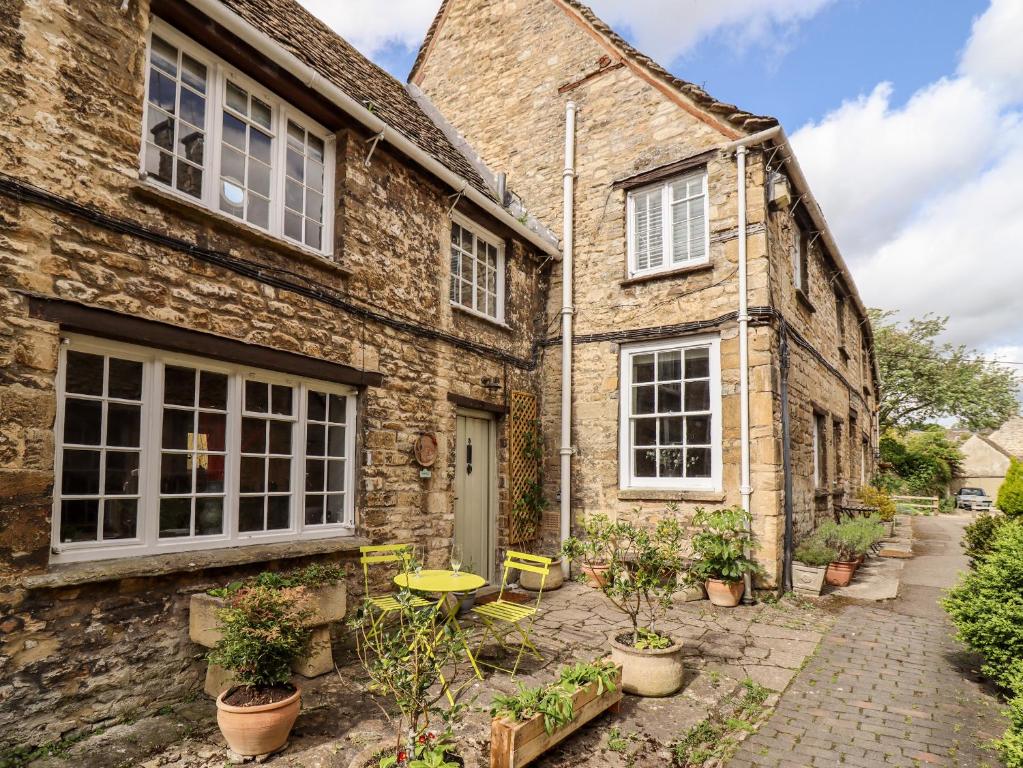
161	452
670	431
820	456
217	138
668	226
800	261
477	269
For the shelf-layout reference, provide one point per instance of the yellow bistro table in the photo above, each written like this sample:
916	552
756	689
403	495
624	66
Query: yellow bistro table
444	583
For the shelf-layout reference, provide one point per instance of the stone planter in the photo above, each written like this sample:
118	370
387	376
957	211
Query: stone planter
691	593
555	578
328	603
513	745
840	573
725	594
259	730
808	579
596	575
652	673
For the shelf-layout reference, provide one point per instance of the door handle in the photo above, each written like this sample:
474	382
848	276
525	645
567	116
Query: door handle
468	456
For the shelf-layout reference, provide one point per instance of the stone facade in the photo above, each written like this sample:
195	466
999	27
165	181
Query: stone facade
85	644
502	73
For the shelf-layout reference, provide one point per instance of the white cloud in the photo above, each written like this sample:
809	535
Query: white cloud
370	25
924	198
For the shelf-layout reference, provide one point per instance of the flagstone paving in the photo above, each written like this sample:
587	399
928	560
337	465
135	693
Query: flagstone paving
767	643
889	685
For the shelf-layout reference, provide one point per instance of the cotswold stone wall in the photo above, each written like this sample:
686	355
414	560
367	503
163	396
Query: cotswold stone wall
505	99
70	123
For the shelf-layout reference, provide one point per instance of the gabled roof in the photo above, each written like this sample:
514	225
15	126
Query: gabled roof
311	41
1009	437
743	121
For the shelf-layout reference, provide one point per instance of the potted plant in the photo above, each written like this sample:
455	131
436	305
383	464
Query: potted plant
555	576
405	659
885	505
812	558
721	546
531	721
642	575
263	630
844	539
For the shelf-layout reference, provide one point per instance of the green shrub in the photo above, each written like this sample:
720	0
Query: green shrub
852	538
815	552
979	535
263	631
312	576
722	543
987	607
1010	746
1010	495
879	499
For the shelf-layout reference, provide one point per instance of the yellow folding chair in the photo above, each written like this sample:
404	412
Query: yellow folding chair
510	615
380	554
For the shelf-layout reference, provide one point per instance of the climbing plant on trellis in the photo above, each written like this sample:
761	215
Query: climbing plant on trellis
525	457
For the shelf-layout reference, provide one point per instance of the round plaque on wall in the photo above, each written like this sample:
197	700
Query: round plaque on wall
425	449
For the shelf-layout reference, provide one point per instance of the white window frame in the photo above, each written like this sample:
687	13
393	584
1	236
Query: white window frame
218	73
490	239
627	478
148	541
667	229
820	437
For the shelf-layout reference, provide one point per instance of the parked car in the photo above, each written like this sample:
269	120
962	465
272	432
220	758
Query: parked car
973	499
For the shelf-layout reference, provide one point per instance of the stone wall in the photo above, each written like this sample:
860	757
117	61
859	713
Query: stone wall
70	123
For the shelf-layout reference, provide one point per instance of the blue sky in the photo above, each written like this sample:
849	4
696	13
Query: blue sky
906	115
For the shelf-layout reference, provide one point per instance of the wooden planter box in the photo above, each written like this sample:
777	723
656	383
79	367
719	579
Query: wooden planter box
516	744
328	603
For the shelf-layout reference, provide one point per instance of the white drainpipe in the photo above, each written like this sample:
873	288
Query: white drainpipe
745	483
567	310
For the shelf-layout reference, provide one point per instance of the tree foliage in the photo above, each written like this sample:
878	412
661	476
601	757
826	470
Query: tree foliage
1010	494
920	462
923	379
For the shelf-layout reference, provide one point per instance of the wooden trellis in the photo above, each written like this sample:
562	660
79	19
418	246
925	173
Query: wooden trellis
524	470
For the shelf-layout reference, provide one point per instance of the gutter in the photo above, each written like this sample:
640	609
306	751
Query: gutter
313	80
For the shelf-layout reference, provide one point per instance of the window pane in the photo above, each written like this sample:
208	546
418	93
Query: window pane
232	198
175	473
280	437
120	518
335	475
281	400
193	108
125	379
179	386
160	131
643	399
209	473
314	475
164	56
669	398
645	463
279	475
315	440
642	368
698	396
232	165
335	508
698	430
250	513
82	421
123	425
209	516
163	92
252	474
253	435
669	366
338	409
237	98
259	146
193	73
313	234
212	431
189	179
84	374
80	473
697	363
177	427
296	165
293	195
175	518
278	513
671	431
698	462
314	510
256	396
336	443
644	432
261	113
213	390
293	225
259	177
670	462
259	211
79	520
317	406
122	473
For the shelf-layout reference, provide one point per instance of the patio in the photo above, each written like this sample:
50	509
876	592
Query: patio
766	643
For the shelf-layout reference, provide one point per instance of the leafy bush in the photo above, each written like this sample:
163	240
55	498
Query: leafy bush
263	631
922	462
643	566
979	536
1010	746
879	499
815	552
851	538
312	576
987	607
1010	494
722	543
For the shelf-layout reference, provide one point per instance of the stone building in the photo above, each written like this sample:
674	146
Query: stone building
229	313
657	385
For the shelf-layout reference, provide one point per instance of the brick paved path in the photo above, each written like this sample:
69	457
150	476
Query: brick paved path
888	685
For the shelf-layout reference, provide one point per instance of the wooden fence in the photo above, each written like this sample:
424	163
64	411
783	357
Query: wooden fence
919	503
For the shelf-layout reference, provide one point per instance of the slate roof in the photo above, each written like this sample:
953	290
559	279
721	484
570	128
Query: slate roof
1009	437
729	113
319	47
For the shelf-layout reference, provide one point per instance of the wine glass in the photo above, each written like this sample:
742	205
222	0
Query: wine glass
417	558
456	558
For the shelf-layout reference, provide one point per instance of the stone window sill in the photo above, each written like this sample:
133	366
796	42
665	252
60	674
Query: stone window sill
71	574
804	300
150	193
668	274
821	493
480	316
661	494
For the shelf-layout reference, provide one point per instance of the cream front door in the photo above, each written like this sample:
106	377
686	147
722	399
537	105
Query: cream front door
476	491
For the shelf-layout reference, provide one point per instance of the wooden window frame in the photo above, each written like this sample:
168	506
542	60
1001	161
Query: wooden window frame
667	229
489	238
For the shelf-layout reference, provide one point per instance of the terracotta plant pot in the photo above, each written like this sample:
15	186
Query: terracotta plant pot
726	594
596	575
808	579
555	578
259	730
840	573
654	672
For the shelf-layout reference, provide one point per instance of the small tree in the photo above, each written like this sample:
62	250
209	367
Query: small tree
1010	495
644	568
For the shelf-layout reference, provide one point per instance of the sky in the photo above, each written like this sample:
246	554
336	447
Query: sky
906	116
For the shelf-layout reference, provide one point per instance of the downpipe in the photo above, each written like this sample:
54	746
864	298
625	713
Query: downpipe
745	486
786	457
567	312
